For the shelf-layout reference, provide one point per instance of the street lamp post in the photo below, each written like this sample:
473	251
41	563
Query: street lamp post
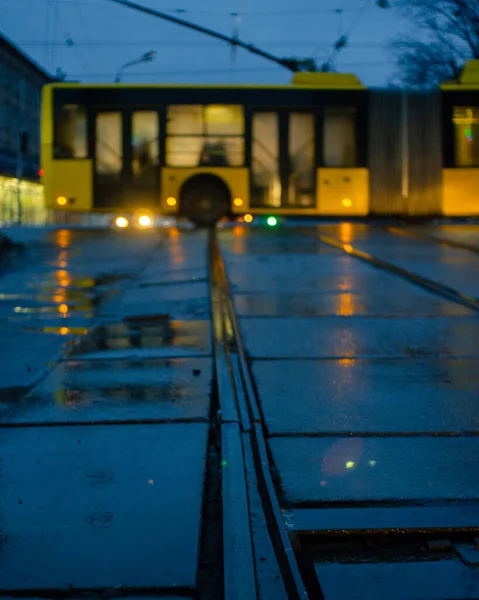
147	57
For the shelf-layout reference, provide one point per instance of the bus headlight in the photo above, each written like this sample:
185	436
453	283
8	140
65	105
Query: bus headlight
121	222
144	220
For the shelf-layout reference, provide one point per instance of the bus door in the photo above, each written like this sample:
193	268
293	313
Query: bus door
283	157
126	159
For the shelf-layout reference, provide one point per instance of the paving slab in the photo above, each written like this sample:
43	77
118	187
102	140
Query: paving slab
427	580
178	301
357	337
117	390
408	302
360	396
155	337
28	356
370	469
98	507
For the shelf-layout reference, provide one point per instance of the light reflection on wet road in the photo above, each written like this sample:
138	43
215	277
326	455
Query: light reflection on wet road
104	410
368	385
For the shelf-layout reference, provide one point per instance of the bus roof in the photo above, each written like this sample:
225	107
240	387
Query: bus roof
302	80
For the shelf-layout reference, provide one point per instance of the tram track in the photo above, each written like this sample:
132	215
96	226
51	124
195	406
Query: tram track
429	284
421	235
304	537
241	420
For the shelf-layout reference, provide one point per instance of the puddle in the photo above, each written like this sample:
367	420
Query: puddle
146	336
117	390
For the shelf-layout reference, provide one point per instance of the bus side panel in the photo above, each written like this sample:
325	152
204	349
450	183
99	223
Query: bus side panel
460	192
343	191
172	179
73	180
46	140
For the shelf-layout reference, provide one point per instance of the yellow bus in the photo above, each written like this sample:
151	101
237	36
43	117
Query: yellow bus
207	152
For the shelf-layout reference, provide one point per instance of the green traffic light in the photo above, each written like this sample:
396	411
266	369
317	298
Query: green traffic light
272	221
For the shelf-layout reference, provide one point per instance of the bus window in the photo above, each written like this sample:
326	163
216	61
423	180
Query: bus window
70	132
205	136
301	160
466	126
144	142
339	138
266	185
109	159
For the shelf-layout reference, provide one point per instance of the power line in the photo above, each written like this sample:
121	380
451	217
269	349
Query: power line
282	43
216	71
183	11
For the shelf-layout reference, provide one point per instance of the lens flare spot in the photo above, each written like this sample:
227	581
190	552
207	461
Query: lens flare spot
248	218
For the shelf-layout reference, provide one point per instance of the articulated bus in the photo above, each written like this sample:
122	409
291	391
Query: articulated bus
324	145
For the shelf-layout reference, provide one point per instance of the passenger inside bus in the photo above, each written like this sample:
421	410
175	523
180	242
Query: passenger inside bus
213	154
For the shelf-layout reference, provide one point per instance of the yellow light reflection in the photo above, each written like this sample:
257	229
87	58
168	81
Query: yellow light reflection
63	238
63	308
64	331
348	248
248	218
346	202
238	202
346	232
171	201
350	464
346	306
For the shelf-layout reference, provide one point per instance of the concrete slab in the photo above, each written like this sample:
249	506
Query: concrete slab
427	580
28	356
356	337
97	507
178	301
360	396
158	337
119	390
346	304
355	469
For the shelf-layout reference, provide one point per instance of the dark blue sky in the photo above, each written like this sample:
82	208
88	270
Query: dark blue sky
105	36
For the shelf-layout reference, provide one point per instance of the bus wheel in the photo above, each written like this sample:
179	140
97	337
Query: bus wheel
204	200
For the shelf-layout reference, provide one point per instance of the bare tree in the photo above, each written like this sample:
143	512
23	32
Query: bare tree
446	36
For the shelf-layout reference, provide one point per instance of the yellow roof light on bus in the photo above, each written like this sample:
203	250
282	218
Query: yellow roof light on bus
238	202
171	201
144	220
346	202
61	200
248	218
121	222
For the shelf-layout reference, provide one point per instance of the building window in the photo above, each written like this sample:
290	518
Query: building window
205	136
339	137
466	128
70	132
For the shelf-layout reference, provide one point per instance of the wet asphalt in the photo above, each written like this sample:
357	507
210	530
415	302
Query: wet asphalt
368	387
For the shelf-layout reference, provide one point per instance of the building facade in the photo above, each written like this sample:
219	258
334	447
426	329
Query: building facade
21	81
